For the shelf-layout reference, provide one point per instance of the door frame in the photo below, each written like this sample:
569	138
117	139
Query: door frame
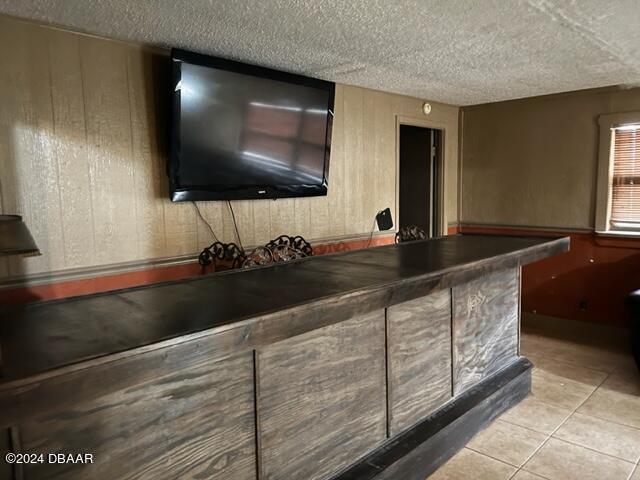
441	229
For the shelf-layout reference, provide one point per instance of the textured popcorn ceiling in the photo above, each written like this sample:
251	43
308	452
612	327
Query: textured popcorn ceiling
455	51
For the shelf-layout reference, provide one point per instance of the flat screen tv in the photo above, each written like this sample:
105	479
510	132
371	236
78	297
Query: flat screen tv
244	132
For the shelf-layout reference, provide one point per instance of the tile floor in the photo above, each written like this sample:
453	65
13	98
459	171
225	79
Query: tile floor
581	422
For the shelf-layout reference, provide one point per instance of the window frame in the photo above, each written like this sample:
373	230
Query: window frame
605	171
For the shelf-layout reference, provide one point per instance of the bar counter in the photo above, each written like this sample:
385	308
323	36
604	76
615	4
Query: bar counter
357	365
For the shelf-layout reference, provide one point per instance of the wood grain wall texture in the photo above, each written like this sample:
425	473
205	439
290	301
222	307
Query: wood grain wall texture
322	399
419	358
83	142
485	327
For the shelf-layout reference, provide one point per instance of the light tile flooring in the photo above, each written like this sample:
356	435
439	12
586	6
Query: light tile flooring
581	422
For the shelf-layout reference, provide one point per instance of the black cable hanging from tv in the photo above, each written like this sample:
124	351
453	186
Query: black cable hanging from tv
215	237
235	225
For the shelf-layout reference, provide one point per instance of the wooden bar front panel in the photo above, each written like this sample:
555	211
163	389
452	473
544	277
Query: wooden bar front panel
419	356
321	399
485	327
198	422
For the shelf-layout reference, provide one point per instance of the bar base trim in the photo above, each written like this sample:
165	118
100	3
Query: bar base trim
419	452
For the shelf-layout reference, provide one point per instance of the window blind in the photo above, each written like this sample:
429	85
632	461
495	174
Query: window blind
625	191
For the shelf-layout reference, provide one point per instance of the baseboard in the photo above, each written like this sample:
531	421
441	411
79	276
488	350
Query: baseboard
419	452
499	228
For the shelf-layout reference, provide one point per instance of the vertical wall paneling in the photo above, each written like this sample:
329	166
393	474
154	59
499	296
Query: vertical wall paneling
109	148
83	150
384	142
38	165
8	115
337	167
353	145
148	174
261	220
213	214
181	229
282	215
302	215
367	179
244	213
31	185
70	137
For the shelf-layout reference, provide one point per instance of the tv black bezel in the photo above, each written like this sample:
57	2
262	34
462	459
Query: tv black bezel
240	192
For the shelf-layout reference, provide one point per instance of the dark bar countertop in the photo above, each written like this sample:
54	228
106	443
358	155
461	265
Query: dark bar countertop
41	337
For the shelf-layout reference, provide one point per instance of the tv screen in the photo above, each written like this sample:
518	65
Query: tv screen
245	132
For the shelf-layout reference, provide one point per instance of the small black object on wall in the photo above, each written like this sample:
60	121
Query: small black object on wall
384	219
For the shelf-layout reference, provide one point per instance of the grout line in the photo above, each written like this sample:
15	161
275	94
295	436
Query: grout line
633	470
607	420
570	363
537	399
536	474
563	381
613	354
561	424
594	450
527	471
609	373
535	357
572	410
542	444
492	457
521	426
541	368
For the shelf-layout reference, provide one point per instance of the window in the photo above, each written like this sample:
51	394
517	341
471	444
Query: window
625	182
618	202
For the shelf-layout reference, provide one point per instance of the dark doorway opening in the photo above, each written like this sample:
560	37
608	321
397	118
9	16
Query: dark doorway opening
420	174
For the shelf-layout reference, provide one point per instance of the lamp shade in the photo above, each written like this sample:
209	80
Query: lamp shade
15	238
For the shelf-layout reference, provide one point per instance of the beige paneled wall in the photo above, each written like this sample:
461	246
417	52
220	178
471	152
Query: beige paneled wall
533	162
83	150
